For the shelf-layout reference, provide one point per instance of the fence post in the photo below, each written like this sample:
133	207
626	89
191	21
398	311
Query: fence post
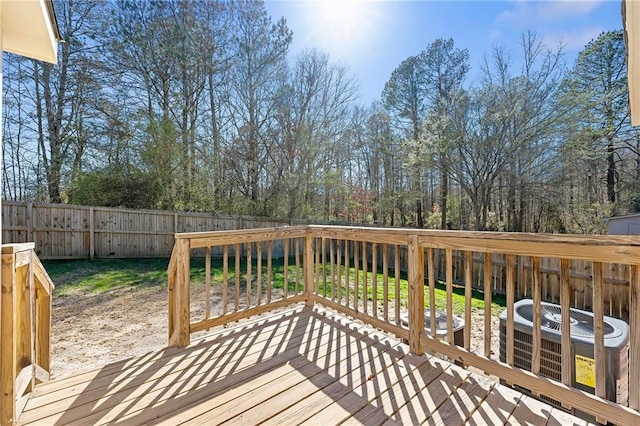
416	294
92	233
29	222
308	268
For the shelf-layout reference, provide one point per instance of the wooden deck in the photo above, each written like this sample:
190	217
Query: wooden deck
305	365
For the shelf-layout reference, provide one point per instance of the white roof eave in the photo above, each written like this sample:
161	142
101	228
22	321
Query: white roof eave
29	29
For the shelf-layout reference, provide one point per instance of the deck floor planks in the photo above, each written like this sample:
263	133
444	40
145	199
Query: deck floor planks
301	410
260	404
529	411
172	375
496	408
562	418
428	386
123	370
220	408
375	390
360	366
458	407
306	365
236	370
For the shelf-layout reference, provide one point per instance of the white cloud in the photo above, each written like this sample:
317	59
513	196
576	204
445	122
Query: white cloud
551	10
524	13
575	40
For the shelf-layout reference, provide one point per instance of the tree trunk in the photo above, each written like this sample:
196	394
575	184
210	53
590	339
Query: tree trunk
444	194
611	171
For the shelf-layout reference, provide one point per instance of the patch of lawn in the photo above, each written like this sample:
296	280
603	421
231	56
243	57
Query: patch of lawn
458	299
101	275
477	301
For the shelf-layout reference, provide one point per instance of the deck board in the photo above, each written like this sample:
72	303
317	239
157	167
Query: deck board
306	365
496	408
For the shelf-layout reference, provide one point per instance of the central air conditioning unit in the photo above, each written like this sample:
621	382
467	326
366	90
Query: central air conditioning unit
616	342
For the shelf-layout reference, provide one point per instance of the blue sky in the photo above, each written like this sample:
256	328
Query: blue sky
374	37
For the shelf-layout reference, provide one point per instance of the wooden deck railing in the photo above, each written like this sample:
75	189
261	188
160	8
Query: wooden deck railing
25	328
357	271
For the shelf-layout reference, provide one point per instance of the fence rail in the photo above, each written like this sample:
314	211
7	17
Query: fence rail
63	231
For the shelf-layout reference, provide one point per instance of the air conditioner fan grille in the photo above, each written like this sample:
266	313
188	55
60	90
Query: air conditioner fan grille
551	319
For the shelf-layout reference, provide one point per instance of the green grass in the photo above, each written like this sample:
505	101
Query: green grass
93	277
98	276
458	299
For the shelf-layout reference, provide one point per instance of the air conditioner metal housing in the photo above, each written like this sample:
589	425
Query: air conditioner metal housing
616	342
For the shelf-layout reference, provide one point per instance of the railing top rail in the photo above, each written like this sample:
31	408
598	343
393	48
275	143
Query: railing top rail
596	248
205	239
505	236
42	276
17	247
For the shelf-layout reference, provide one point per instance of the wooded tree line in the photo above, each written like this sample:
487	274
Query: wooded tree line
200	106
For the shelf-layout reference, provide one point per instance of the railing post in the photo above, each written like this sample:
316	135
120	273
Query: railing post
179	301
416	294
8	338
308	268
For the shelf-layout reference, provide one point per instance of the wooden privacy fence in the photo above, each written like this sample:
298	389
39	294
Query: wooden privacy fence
63	231
615	278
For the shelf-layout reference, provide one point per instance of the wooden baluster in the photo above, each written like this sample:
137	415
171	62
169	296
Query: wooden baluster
511	276
396	275
449	283
207	282
468	294
365	278
385	281
374	279
324	267
297	257
536	345
347	273
236	297
225	278
565	325
285	285
356	280
249	276
598	323
259	271
488	289
317	278
339	266
333	271
269	270
431	270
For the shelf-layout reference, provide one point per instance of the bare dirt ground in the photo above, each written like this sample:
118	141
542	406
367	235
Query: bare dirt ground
90	331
